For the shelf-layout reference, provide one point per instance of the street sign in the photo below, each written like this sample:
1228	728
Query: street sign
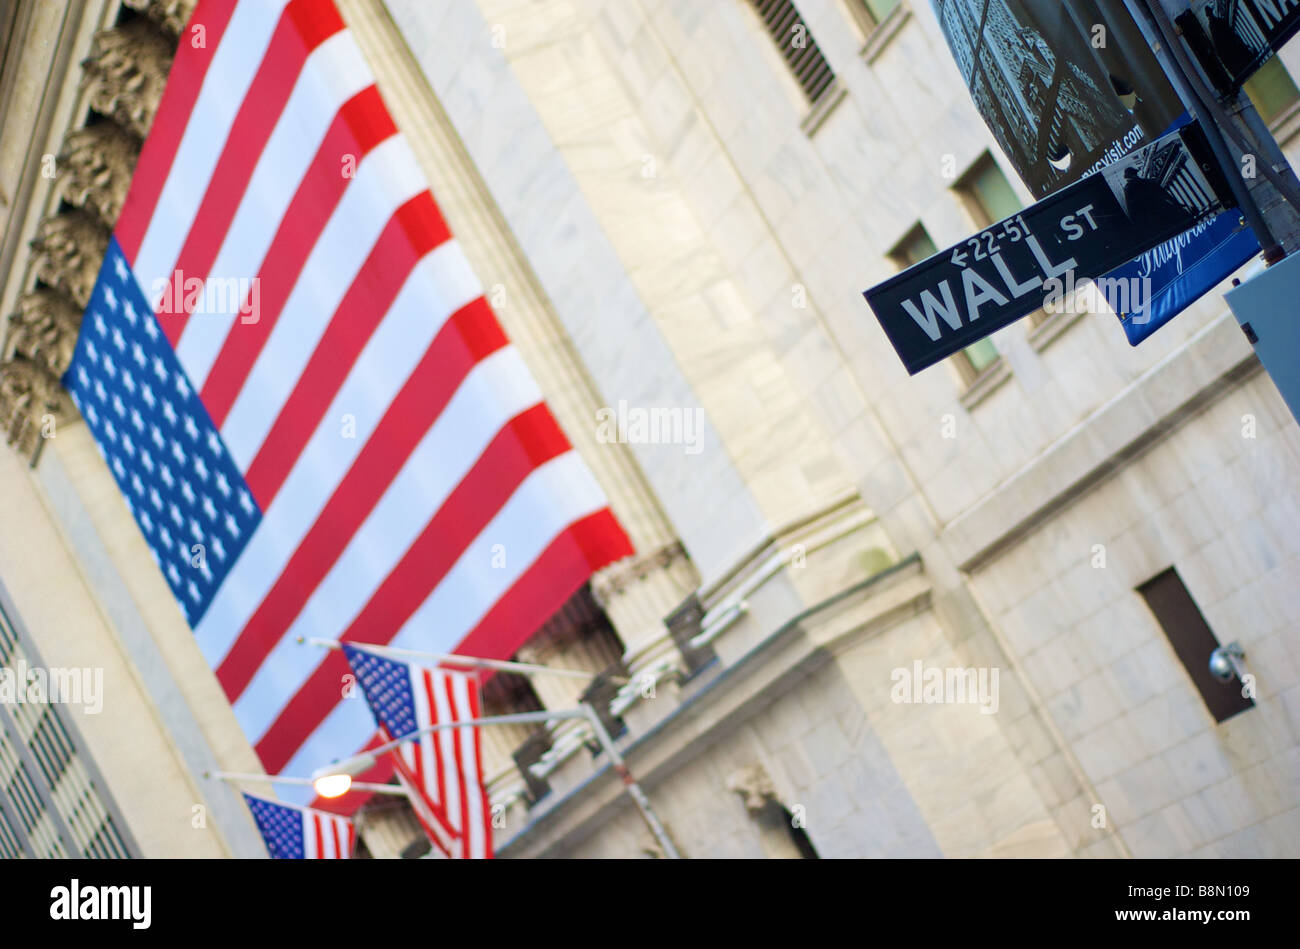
1038	257
1064	87
1233	38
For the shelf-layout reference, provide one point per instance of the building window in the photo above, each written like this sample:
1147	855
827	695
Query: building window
869	14
1193	641
797	46
989	198
1272	90
911	250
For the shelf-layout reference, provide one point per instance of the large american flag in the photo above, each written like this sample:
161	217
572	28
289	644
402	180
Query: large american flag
314	416
301	833
442	771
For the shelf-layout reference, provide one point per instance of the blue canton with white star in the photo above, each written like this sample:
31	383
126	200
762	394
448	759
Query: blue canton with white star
281	828
387	687
191	503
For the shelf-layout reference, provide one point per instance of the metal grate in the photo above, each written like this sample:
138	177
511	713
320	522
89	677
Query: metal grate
795	41
49	804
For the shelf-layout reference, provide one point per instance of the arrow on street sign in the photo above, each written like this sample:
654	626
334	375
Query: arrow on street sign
1080	233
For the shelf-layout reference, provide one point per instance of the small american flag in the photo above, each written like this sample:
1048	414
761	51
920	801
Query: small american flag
314	416
300	833
442	771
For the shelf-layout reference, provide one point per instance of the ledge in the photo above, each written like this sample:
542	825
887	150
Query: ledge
986	383
1046	332
885	31
834	94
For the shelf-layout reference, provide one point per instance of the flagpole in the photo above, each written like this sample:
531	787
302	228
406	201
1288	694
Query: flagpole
232	777
366	759
501	665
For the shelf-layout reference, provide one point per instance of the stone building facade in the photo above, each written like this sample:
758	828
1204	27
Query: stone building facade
675	210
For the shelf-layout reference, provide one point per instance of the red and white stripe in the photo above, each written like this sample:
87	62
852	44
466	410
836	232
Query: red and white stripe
327	836
387	429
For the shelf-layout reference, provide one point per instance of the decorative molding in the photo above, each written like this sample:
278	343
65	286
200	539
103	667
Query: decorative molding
123	80
126	72
96	164
69	249
171	15
616	578
755	787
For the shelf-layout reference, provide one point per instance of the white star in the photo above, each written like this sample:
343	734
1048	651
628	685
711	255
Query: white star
187	491
155	499
147	521
119	406
200	468
109	430
91	351
119	467
100	392
157	437
137	420
194	591
127	445
191	429
110	297
246	502
109	368
159	368
175	512
166	474
128	381
232	526
182	386
196	531
146	393
209	508
129	310
136	484
222	484
119	340
119	265
174	574
169	412
214	442
100	326
205	570
218	548
150	327
137	353
92	415
177	452
83	377
146	460
165	536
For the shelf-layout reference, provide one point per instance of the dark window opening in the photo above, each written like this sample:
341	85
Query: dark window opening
1193	641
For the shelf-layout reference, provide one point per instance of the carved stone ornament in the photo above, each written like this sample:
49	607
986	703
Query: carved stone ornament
619	576
69	249
126	72
171	15
755	787
44	330
95	169
28	394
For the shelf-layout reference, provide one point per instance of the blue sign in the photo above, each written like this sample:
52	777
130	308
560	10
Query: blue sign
1168	279
1179	272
